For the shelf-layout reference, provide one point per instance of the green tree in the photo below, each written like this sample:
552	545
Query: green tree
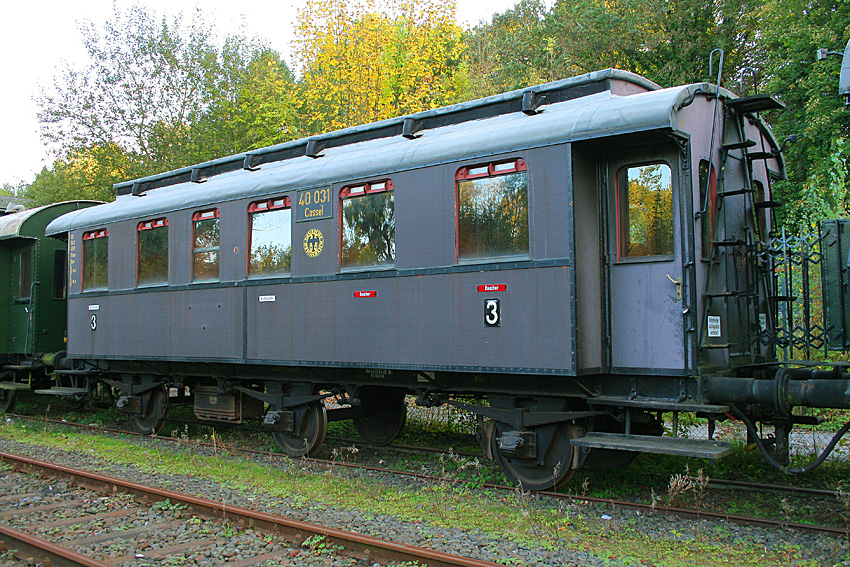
147	81
817	164
361	63
83	174
158	94
512	51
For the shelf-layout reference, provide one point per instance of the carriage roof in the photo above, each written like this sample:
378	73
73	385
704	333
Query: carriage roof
594	105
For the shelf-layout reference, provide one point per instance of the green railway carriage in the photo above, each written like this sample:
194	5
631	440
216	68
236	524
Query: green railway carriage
33	292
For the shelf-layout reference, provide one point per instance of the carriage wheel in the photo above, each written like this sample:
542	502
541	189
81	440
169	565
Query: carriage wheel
8	400
314	426
155	404
384	414
532	474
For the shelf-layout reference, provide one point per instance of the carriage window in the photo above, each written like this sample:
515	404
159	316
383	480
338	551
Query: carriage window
95	259
707	190
153	252
25	274
645	211
205	246
368	225
271	237
60	274
492	210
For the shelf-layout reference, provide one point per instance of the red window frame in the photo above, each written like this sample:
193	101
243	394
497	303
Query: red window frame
90	235
272	204
142	226
354	191
622	220
203	215
487	169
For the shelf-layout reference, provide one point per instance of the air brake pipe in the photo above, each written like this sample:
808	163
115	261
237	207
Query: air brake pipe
793	391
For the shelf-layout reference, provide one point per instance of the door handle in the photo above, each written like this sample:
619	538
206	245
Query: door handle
678	283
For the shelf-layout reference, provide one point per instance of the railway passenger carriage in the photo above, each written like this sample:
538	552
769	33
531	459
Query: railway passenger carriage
570	253
32	298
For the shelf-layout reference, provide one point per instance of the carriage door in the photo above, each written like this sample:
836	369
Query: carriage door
645	321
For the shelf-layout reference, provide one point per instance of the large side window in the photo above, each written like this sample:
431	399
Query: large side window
95	259
708	199
25	273
492	210
368	225
152	259
644	211
205	245
270	238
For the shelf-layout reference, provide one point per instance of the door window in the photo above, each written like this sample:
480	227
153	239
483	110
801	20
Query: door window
645	211
25	279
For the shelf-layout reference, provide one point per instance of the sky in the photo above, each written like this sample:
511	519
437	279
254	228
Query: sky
35	40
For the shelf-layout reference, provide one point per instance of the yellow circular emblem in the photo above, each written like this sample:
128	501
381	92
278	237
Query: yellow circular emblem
313	242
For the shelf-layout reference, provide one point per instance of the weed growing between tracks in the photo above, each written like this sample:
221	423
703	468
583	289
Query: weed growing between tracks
518	516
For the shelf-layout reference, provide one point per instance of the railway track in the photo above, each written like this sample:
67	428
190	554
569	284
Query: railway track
642	507
714	482
95	520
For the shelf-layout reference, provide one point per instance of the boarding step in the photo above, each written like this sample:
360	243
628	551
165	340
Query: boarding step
761	155
755	103
736	192
736	242
739	145
727	293
655	404
700	448
60	391
767	204
720	346
13	386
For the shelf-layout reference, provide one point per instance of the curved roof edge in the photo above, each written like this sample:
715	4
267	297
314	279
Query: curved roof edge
11	224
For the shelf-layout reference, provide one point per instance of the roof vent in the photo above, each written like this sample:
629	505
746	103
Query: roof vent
411	128
250	162
14	208
531	101
315	148
137	189
197	176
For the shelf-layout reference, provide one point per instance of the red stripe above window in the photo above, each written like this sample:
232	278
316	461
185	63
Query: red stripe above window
204	215
494	168
269	205
148	225
370	188
95	234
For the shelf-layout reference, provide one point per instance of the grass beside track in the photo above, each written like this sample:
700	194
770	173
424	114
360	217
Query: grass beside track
517	516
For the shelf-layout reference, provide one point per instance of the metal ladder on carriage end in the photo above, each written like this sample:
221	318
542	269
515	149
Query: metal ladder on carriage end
722	251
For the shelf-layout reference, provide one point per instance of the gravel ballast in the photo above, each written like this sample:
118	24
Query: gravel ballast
779	547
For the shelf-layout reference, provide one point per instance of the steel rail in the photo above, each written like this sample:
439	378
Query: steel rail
24	544
382	550
624	504
415	448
